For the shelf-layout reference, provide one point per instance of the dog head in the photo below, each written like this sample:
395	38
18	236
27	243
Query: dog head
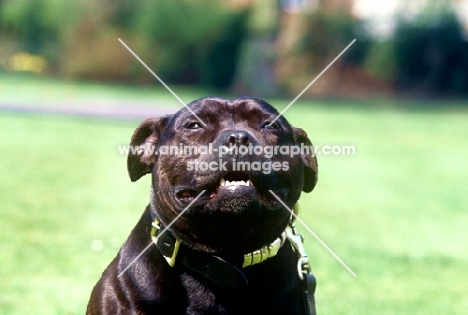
216	164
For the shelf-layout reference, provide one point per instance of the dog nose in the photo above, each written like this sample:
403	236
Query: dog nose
236	137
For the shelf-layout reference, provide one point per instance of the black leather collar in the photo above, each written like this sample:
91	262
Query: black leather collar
220	271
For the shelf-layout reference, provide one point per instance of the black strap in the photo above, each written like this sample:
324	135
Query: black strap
309	283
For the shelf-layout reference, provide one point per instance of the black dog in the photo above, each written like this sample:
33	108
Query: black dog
224	243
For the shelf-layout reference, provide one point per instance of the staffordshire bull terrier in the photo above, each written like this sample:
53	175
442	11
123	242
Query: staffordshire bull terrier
217	236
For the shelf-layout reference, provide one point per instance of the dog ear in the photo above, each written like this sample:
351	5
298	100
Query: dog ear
309	160
146	137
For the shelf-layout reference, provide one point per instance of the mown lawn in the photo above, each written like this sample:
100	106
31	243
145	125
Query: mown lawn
395	212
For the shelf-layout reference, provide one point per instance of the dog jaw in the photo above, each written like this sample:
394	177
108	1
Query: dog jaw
249	188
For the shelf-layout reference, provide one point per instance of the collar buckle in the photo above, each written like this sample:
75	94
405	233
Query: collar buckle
163	241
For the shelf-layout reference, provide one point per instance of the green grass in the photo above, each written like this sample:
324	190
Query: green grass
30	90
63	186
395	212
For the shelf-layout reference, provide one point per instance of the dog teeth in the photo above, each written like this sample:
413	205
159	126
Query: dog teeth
224	182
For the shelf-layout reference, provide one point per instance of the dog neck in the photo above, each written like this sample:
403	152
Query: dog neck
219	270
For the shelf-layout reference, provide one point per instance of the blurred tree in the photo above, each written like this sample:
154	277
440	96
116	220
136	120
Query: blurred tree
25	19
191	42
36	24
184	41
327	34
220	63
255	71
431	53
311	40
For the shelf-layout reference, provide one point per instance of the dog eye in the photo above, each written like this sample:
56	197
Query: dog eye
269	125
193	125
